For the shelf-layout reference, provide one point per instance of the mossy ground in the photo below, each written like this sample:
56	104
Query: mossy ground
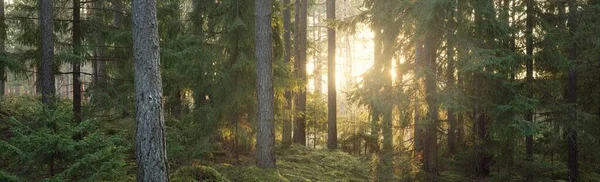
294	164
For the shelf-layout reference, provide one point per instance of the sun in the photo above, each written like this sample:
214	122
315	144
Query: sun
354	56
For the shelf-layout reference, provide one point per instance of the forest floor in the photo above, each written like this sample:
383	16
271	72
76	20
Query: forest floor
296	163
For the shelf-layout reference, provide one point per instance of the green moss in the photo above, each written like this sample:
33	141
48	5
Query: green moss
250	174
302	164
198	173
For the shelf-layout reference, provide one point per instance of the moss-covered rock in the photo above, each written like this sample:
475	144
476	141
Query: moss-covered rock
197	173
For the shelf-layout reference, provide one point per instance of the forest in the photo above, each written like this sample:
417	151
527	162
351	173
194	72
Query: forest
300	90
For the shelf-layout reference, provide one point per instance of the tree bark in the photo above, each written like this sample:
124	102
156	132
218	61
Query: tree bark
2	50
287	121
76	64
151	154
47	50
300	63
450	80
571	132
331	87
430	149
265	139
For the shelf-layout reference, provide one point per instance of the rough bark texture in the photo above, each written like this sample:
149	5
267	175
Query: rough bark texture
150	141
300	64
573	172
76	65
265	137
47	49
99	63
331	90
287	121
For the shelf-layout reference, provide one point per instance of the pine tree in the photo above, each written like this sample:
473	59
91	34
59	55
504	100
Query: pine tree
150	145
331	89
265	139
300	65
287	122
47	52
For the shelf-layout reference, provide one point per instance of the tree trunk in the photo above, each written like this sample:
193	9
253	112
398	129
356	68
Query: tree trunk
571	132
287	121
430	150
100	56
265	137
300	63
331	90
450	81
418	132
2	50
47	49
151	154
529	77
373	142
76	65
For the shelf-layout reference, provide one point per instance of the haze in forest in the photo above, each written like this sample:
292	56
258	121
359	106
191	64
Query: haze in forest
299	90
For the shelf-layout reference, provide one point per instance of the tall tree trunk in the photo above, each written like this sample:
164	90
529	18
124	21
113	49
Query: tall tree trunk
450	80
2	50
571	132
287	121
150	145
99	63
76	65
331	90
529	77
265	137
418	132
47	50
430	150
374	138
300	62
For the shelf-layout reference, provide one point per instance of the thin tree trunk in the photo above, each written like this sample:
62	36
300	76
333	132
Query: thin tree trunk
418	133
151	154
77	65
300	62
331	89
2	49
450	81
571	132
430	149
529	77
287	121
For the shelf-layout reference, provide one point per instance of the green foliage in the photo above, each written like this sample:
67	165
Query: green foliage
41	140
301	164
250	174
197	173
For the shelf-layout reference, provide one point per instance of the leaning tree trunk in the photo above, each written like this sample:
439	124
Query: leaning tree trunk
331	90
265	139
150	144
